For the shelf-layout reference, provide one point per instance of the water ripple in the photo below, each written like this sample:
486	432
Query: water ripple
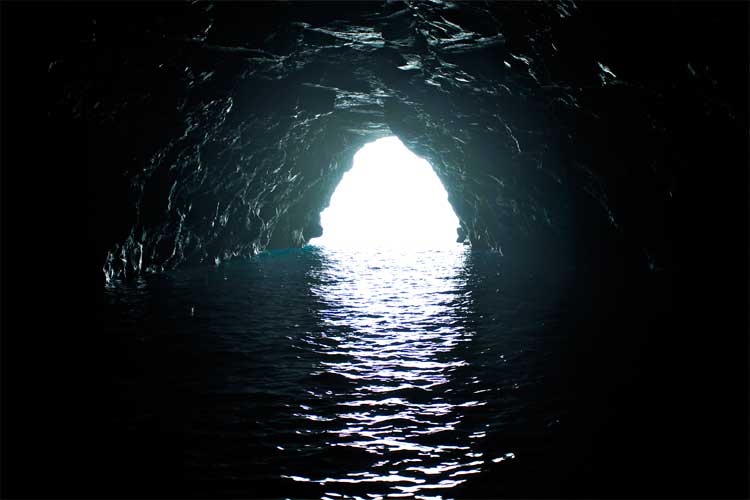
392	323
338	373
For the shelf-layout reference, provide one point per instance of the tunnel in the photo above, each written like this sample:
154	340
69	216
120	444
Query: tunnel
595	151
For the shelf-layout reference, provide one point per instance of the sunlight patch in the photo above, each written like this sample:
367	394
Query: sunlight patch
390	197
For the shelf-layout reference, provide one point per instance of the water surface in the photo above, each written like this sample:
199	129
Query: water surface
329	373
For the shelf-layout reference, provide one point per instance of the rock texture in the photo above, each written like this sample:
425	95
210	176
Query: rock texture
218	130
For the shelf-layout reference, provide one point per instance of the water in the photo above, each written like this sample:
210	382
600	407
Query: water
321	373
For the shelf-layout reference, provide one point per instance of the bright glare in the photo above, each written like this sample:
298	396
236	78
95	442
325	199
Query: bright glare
390	198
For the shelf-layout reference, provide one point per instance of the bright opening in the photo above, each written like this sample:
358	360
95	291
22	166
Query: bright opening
390	198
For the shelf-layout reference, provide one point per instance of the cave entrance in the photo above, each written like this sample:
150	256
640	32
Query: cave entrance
389	198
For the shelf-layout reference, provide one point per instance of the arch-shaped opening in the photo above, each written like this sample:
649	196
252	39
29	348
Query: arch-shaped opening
389	198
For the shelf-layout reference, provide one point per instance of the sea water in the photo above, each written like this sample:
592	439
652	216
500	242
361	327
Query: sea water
318	373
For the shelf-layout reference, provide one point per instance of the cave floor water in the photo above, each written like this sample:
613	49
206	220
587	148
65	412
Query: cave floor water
316	372
311	373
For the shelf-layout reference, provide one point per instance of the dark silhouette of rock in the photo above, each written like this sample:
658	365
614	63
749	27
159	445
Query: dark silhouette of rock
220	130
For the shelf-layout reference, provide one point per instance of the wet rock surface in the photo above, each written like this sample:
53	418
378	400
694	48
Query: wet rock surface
220	130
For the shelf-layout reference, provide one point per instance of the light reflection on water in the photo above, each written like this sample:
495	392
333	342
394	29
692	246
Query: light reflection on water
314	372
392	320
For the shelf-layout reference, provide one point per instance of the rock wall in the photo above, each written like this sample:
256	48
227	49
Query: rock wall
217	130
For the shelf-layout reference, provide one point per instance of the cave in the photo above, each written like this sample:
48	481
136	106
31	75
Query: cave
159	159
